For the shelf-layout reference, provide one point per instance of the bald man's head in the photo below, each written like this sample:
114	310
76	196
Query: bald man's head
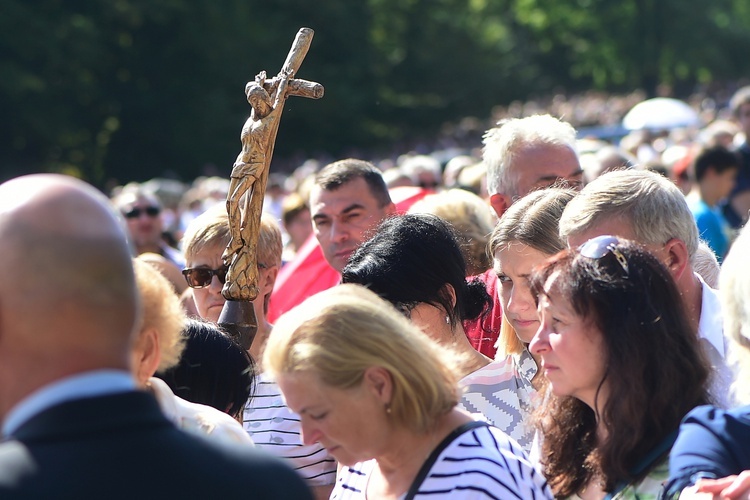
68	293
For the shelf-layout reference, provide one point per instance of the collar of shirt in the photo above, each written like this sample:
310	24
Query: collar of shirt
85	385
710	325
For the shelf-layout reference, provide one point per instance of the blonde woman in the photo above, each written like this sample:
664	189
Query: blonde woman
381	397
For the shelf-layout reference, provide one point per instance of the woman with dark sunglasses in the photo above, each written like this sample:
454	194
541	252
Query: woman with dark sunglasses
623	368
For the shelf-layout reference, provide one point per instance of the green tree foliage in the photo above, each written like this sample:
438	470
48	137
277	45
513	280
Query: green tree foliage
130	89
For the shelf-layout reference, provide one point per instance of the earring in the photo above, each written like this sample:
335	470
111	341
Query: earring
447	320
388	408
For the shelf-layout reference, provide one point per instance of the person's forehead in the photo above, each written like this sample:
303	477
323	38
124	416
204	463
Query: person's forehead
207	255
614	225
545	162
354	192
135	200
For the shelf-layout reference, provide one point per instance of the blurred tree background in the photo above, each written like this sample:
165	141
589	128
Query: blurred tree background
131	89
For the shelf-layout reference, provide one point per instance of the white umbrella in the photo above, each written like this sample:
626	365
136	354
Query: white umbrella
661	113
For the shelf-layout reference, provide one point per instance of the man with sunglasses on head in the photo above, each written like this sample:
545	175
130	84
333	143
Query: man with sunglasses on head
142	212
649	209
268	421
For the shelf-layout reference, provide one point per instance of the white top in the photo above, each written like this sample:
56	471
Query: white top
502	394
478	463
711	334
200	420
276	429
85	385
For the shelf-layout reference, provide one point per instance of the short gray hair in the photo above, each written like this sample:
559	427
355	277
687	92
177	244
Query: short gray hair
502	142
654	206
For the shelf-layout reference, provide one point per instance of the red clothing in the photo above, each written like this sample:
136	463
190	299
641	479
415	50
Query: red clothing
484	331
309	272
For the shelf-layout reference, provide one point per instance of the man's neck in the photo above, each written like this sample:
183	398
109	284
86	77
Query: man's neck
691	290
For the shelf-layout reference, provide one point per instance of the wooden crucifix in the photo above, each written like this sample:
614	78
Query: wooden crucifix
248	185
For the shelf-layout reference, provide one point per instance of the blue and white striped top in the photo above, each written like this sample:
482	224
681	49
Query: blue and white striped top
276	429
476	461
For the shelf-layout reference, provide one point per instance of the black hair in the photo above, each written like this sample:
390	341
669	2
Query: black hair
213	370
717	158
410	259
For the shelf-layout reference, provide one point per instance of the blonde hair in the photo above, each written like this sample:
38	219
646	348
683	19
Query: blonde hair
339	333
212	228
161	311
507	340
471	217
734	289
269	242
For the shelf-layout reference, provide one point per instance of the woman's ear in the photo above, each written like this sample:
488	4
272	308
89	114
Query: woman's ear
147	355
380	381
450	293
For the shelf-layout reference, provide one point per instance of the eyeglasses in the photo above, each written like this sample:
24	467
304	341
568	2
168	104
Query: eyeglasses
200	277
601	246
136	212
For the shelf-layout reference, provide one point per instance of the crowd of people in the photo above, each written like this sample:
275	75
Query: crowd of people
560	316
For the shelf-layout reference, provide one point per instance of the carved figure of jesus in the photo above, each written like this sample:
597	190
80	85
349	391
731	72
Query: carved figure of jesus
244	202
250	170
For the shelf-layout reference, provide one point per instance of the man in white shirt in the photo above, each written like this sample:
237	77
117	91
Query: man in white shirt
647	208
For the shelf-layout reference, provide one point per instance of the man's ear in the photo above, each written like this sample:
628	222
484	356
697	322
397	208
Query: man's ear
677	258
380	382
500	203
390	209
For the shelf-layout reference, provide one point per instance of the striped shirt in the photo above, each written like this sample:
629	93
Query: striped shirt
502	393
476	461
275	428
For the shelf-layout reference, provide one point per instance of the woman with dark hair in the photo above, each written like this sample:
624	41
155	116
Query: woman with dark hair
623	368
213	370
415	263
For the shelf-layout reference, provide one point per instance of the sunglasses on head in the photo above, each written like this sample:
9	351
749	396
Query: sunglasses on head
601	246
200	277
136	212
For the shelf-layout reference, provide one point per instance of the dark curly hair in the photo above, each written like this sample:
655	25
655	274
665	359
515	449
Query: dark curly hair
654	369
